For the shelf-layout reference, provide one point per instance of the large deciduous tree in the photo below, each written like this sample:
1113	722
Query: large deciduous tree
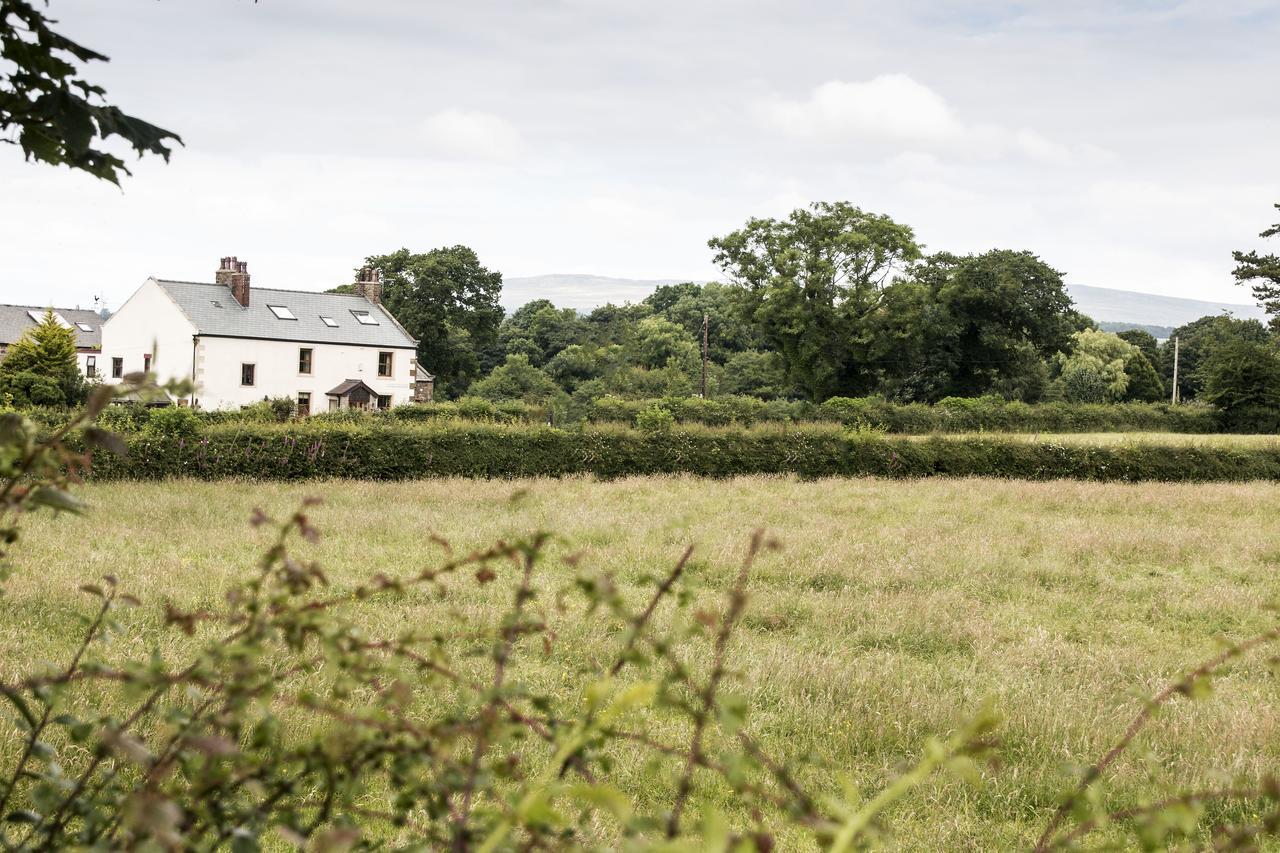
813	283
1262	273
981	324
53	114
1196	341
1242	378
449	302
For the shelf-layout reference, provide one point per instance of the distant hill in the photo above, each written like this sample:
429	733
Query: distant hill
581	292
1148	309
1115	309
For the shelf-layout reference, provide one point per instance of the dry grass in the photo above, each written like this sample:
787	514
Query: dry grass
892	611
1131	438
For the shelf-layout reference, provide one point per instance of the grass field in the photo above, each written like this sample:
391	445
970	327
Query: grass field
892	611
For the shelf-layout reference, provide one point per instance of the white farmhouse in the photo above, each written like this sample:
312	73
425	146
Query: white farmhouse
240	344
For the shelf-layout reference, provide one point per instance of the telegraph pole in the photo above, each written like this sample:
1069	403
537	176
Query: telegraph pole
706	322
1176	395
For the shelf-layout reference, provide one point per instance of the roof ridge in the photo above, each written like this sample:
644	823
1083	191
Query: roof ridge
255	289
43	308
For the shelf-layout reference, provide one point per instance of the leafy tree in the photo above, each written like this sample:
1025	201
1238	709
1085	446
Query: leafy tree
658	342
540	330
1145	385
53	114
968	326
813	283
40	367
754	373
449	301
1196	340
1144	341
517	379
578	363
1242	378
1096	370
1262	273
614	324
723	306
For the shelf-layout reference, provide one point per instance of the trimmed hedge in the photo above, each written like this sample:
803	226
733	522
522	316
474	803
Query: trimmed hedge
388	452
954	414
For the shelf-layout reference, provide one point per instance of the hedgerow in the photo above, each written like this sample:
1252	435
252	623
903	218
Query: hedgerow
384	451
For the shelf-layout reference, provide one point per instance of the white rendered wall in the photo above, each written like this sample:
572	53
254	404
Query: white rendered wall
148	320
218	362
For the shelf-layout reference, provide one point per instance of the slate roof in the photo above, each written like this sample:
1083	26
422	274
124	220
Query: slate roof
214	311
14	320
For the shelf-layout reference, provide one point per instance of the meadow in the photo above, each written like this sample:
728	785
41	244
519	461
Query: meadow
892	611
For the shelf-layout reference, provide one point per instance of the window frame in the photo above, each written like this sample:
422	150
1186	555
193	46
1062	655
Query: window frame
90	366
84	327
328	321
380	401
298	403
276	309
146	362
391	364
365	318
117	367
310	359
252	373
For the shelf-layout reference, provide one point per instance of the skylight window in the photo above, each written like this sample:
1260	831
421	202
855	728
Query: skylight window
84	327
364	318
329	321
281	312
38	317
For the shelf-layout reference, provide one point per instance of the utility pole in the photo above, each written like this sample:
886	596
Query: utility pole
1176	395
706	322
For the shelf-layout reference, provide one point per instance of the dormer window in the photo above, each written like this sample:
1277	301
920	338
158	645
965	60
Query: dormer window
281	312
364	318
329	321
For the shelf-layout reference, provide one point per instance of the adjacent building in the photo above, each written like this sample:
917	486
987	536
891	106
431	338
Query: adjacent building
15	320
240	344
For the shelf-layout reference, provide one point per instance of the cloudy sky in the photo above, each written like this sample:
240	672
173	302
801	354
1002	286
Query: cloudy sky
1130	143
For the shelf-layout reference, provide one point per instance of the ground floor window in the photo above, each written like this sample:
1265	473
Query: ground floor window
304	403
334	404
90	366
246	374
146	363
117	368
384	401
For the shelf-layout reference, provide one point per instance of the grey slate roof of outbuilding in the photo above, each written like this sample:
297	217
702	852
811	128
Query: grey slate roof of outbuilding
346	386
214	311
14	320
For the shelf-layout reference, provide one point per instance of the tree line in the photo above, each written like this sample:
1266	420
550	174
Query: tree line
828	301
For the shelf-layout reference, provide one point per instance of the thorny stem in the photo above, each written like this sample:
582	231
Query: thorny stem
501	655
737	602
1183	685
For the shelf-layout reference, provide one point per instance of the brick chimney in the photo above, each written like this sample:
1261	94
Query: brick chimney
369	284
234	274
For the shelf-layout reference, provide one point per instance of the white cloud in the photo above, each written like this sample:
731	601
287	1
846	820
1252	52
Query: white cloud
890	107
464	135
895	109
